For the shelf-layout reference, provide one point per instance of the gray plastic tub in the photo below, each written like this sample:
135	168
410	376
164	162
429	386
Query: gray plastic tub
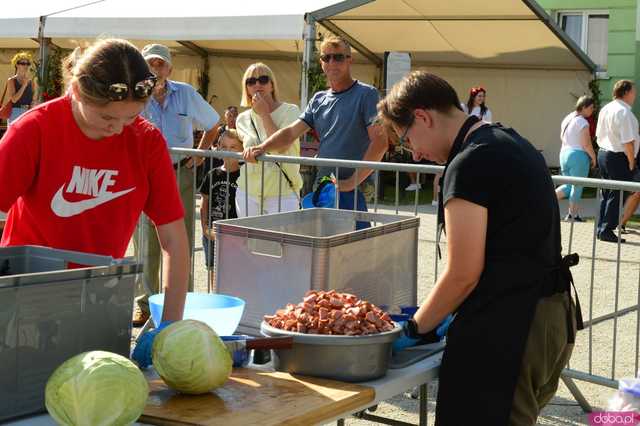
345	358
275	259
49	313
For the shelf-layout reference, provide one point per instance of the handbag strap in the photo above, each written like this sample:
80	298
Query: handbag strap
567	125
255	129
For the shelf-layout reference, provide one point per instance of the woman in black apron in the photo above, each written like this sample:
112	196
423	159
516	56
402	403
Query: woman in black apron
505	277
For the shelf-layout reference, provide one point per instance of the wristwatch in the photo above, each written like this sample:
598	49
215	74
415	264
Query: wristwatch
410	329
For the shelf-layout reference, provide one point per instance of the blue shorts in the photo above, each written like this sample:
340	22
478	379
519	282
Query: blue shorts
574	162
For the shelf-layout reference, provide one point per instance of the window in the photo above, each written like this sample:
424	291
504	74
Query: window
589	30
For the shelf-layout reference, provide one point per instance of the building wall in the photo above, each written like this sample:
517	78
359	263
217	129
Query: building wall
533	102
622	36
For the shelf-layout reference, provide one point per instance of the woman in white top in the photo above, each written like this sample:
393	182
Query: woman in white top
576	154
280	191
617	134
476	104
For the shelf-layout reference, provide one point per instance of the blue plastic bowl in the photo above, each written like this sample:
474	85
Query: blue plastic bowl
220	312
409	310
400	317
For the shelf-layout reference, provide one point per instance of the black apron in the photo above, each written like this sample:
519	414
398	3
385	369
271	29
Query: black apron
487	339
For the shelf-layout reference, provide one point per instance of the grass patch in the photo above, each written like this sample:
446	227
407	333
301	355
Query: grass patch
387	190
589	192
388	195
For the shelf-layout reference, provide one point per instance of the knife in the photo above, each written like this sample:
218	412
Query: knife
240	346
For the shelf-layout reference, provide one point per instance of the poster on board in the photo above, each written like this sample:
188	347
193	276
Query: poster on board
396	66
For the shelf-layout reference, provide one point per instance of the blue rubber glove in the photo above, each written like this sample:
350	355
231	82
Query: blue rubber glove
441	330
403	341
433	336
142	352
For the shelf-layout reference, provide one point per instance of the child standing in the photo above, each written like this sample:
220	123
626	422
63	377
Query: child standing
219	196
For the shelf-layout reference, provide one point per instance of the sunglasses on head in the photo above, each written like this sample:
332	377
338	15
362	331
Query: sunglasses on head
263	79
120	91
24	63
338	57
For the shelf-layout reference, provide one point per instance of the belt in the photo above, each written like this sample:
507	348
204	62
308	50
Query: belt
180	163
563	284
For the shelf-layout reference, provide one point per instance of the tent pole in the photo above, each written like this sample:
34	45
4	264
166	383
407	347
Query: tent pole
309	41
44	54
636	109
204	55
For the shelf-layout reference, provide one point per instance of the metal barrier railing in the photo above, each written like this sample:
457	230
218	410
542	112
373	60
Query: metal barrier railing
593	361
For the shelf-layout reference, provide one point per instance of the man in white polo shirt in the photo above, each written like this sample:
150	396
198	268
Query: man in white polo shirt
617	134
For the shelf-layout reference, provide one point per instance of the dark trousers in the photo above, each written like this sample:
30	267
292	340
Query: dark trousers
348	201
613	166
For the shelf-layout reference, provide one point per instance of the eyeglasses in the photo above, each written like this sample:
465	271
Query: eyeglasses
263	79
338	57
27	63
403	139
120	91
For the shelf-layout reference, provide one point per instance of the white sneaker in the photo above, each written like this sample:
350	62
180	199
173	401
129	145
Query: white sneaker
413	187
434	203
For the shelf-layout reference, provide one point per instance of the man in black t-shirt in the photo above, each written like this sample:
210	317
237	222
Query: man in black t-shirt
505	278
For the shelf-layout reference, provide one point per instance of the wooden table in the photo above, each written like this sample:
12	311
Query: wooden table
256	397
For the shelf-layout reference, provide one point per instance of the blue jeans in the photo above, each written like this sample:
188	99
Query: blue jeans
347	203
15	113
573	162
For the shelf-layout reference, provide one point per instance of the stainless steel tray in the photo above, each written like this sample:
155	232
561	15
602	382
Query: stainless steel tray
345	358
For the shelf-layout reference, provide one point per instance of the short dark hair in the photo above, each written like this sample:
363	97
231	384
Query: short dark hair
584	102
419	89
621	88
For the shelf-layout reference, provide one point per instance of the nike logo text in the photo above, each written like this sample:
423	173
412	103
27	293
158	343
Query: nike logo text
86	182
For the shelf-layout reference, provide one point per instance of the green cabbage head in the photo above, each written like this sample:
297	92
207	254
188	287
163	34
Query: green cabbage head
191	358
96	388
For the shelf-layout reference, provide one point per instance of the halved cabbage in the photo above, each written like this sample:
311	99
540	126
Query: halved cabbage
96	388
191	358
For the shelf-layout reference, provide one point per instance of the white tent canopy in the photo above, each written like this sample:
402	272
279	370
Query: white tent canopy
250	25
503	33
507	33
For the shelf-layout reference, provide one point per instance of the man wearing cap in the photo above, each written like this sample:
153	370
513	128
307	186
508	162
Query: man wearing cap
173	109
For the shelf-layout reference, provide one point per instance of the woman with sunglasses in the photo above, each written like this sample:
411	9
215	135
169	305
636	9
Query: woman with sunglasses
20	89
79	170
476	104
280	191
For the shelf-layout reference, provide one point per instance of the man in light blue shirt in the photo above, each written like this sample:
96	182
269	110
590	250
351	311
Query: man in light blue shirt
173	108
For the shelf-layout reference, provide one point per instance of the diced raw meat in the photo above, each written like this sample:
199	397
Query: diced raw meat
331	312
323	313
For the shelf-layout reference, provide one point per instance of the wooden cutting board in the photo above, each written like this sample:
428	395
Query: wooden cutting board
254	397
